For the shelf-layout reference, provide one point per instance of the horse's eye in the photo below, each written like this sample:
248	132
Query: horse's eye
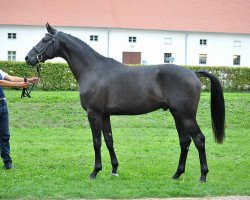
45	39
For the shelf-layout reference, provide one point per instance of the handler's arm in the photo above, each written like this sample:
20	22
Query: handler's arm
19	79
14	78
6	83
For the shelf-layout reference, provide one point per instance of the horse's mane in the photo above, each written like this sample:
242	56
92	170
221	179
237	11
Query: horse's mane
85	45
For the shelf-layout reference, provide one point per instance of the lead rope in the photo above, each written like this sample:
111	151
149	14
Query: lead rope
26	91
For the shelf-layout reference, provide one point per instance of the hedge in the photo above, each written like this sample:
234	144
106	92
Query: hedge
54	76
57	76
233	79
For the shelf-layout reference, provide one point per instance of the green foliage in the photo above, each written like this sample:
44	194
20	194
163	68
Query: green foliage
57	76
231	78
17	68
52	151
54	76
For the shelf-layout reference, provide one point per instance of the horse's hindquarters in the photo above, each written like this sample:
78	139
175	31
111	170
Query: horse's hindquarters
181	90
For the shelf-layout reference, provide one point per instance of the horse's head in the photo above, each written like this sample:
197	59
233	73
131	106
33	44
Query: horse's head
45	49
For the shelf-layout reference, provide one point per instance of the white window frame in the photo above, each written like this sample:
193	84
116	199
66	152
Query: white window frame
132	39
11	35
203	59
93	38
203	42
11	55
237	43
168	58
236	59
168	40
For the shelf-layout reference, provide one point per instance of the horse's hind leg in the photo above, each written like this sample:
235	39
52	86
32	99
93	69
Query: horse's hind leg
199	141
185	141
188	126
107	132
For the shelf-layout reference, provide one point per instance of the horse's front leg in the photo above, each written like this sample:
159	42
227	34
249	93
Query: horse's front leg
107	132
95	120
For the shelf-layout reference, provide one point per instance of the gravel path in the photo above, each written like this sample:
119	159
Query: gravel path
206	198
190	198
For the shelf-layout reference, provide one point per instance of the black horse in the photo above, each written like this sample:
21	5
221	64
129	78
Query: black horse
107	87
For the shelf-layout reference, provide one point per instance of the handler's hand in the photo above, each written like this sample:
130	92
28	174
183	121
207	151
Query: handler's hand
33	80
23	84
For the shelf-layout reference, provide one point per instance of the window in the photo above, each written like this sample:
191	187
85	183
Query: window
203	42
168	58
236	59
11	35
203	59
168	41
11	55
94	38
237	43
132	39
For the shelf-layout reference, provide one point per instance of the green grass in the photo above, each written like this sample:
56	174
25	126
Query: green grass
53	156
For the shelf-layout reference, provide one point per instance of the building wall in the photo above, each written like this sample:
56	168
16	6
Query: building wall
185	47
150	43
219	49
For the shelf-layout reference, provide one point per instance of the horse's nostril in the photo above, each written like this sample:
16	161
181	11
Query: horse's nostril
27	60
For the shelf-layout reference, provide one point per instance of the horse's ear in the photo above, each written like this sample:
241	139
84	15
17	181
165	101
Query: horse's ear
50	29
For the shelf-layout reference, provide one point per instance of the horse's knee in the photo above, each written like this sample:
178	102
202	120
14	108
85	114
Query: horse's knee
185	144
5	139
97	143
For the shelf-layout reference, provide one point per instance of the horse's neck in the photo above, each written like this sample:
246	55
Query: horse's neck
79	57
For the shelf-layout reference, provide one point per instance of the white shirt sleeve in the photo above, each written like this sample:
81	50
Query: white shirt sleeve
3	74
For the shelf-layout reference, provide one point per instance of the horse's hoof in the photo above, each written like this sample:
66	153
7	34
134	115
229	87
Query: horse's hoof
114	174
92	176
175	177
203	179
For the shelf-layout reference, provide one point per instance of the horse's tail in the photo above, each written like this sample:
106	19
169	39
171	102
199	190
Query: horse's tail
217	106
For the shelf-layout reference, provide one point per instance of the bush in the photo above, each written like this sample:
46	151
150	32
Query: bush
231	78
57	76
54	76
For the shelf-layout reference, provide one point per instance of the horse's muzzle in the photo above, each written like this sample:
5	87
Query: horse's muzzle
29	62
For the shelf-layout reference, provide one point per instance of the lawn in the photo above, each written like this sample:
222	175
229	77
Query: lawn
53	155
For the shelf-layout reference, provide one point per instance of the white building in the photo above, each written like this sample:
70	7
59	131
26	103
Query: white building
143	32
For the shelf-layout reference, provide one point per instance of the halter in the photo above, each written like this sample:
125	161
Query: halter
26	91
39	56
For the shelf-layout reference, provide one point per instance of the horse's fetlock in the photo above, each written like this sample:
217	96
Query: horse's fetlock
204	170
115	164
98	167
181	169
